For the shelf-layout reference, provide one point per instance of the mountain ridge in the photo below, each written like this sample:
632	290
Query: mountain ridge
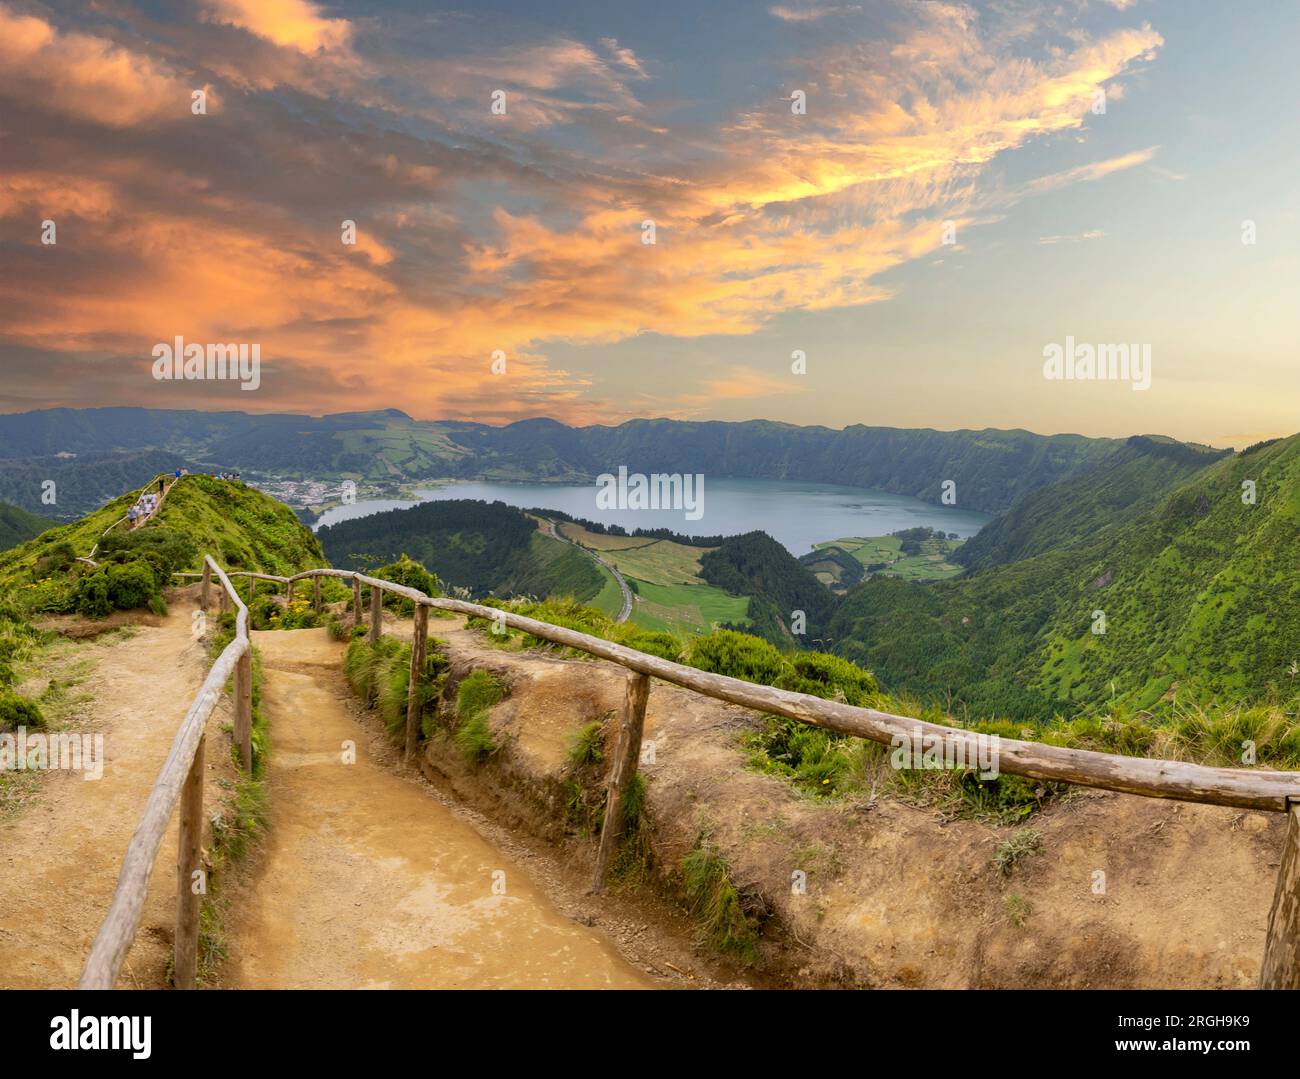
989	469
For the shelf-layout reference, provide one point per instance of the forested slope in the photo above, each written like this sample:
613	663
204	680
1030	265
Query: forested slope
1198	595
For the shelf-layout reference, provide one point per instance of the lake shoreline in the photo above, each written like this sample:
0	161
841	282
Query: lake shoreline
798	515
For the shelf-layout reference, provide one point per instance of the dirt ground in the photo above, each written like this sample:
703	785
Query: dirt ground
62	848
366	881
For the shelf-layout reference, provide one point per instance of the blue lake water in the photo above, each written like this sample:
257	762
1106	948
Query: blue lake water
796	514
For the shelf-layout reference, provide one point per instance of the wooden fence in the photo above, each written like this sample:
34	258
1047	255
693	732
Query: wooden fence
180	781
1255	789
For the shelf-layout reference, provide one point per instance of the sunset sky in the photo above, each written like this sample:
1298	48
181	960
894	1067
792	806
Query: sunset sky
775	231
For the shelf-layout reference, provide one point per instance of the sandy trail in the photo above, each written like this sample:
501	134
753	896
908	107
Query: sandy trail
368	882
61	854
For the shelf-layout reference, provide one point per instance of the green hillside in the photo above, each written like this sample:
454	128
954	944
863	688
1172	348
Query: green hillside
1073	511
669	594
17	526
1197	595
778	584
239	526
486	548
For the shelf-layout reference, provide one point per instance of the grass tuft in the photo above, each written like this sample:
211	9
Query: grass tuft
714	900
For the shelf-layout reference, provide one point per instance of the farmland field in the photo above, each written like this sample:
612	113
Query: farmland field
884	553
668	592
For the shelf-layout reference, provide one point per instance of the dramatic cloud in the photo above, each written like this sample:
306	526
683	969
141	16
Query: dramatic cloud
482	231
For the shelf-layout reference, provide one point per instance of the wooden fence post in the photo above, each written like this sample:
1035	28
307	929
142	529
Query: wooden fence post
189	842
414	689
622	772
1281	967
244	708
376	613
315	593
356	602
205	592
288	592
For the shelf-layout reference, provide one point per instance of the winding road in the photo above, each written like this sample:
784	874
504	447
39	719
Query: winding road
626	612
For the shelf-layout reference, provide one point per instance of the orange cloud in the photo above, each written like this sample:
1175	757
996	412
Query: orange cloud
85	76
291	24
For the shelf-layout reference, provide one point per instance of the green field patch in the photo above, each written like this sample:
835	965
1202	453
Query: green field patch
883	555
686	608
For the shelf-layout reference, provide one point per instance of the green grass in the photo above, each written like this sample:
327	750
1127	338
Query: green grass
670	596
475	740
609	600
932	564
716	904
1018	909
686	609
586	746
477	693
239	822
1016	847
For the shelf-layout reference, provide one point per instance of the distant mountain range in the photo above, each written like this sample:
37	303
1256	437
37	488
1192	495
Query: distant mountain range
989	469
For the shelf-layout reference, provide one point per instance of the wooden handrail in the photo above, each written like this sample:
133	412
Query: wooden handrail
182	770
1258	789
1241	788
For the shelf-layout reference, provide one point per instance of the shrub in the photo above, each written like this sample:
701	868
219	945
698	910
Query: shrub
824	675
131	585
818	761
92	595
738	655
406	571
1025	842
16	711
55	560
652	642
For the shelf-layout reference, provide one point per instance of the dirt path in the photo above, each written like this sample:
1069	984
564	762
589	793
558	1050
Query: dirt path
61	853
369	882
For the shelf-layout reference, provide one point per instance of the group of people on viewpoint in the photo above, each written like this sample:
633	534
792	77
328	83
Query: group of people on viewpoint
148	501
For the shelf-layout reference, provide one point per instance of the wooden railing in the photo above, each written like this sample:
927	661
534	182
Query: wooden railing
1256	789
181	780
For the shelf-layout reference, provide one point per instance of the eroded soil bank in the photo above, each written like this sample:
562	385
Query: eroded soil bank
1123	891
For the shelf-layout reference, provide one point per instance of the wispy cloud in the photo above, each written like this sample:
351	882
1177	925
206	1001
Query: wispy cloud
812	12
1073	238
